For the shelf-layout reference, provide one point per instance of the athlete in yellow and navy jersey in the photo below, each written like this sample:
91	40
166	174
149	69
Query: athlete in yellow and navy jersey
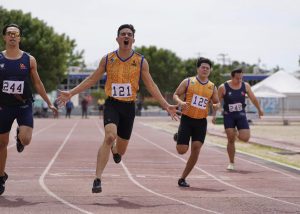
124	69
198	94
197	97
123	76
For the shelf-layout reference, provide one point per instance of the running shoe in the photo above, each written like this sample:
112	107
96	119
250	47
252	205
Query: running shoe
2	183
97	186
20	146
230	167
183	183
116	156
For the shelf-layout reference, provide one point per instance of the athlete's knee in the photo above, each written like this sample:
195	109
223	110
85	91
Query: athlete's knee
182	149
244	138
110	137
25	140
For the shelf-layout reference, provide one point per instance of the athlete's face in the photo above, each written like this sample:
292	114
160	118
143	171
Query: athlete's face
12	36
204	70
238	78
125	39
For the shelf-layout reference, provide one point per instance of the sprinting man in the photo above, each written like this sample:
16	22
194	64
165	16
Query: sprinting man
233	92
198	93
124	68
16	68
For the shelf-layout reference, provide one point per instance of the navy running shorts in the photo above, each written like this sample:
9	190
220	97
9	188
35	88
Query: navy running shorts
120	113
8	114
191	128
235	119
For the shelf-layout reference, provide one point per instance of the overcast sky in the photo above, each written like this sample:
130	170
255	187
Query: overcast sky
244	30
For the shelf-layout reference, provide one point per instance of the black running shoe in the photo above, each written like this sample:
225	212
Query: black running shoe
183	183
97	186
2	183
175	137
117	157
20	146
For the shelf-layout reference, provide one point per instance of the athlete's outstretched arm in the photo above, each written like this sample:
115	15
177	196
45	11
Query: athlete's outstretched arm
38	84
254	100
179	92
155	92
85	84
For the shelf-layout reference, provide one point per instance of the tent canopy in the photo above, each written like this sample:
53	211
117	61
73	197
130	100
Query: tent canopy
280	82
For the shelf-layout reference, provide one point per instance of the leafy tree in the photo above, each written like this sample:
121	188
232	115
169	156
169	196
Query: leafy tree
53	52
165	67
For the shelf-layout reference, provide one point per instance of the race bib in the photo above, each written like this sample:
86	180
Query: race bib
199	101
13	87
235	107
121	90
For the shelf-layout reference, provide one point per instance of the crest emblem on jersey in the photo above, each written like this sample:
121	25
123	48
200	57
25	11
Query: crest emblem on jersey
2	65
133	63
112	60
243	93
229	93
22	66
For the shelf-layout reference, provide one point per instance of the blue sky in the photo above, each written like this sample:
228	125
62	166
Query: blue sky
244	30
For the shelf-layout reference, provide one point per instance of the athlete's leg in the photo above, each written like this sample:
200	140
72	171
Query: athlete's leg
25	134
121	146
195	151
4	139
230	132
104	150
244	135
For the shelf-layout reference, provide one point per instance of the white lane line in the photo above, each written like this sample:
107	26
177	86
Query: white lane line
217	179
257	164
252	155
155	193
42	177
34	133
161	195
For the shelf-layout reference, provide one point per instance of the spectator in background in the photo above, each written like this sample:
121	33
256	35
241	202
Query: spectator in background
69	107
84	107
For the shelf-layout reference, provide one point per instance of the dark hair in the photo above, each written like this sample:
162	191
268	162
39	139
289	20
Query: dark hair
11	25
203	60
126	26
236	71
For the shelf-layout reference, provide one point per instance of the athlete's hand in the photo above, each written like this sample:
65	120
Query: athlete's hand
183	105
216	106
54	110
214	119
63	97
260	113
172	110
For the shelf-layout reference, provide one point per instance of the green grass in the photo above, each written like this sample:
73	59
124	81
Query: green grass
265	152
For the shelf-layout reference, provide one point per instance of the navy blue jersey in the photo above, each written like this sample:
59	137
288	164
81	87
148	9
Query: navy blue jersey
234	99
15	80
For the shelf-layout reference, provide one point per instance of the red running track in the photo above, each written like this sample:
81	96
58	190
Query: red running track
55	174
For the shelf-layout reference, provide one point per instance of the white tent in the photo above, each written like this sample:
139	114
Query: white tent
280	86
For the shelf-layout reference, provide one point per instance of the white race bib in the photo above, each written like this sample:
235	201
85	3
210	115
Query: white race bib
13	87
121	90
235	107
199	101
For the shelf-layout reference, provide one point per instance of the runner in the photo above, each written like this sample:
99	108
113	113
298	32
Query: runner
198	93
233	92
124	68
16	68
